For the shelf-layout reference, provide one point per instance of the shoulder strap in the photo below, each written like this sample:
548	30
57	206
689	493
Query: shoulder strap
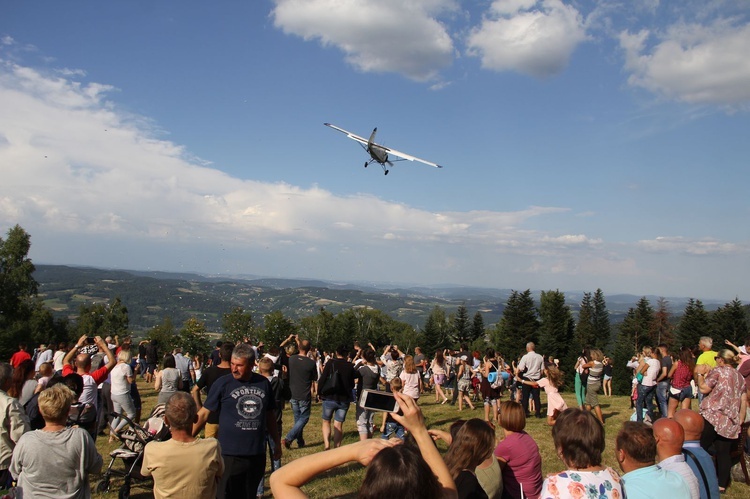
690	454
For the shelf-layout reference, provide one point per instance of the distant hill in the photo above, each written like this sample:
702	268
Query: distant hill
151	296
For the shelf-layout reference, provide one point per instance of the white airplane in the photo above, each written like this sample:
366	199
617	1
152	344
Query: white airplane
378	152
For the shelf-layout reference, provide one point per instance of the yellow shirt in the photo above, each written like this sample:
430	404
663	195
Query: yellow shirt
184	469
708	358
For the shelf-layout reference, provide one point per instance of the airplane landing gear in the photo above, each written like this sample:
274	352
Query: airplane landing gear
366	163
386	172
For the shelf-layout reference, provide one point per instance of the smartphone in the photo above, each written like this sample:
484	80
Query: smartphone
375	400
90	340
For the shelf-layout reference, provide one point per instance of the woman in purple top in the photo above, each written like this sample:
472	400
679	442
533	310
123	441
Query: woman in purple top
518	454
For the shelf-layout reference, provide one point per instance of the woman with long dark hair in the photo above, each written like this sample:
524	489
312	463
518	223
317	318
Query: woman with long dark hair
681	374
471	462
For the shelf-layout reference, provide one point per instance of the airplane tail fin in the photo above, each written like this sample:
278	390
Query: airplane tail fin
372	137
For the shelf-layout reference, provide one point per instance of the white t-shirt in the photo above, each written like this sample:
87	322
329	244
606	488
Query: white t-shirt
120	385
654	366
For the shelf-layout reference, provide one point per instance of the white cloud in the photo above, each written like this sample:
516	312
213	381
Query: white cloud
697	247
401	36
692	62
536	38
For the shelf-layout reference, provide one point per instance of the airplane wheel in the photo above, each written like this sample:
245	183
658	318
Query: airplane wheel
365	164
386	172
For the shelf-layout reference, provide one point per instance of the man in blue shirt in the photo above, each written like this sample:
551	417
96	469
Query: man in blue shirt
635	450
245	404
697	458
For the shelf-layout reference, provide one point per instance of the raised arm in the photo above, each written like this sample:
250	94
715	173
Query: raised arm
111	361
413	420
74	351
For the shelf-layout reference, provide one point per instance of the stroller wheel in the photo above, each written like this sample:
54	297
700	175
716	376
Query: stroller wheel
124	492
103	485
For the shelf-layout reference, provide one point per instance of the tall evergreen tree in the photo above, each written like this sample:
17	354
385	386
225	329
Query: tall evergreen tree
693	324
556	325
730	323
632	337
461	325
436	331
518	325
662	330
600	322
477	326
585	335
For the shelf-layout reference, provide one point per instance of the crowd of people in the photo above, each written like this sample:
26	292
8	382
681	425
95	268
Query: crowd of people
56	403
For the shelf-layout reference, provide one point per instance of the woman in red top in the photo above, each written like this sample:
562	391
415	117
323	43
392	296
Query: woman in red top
681	374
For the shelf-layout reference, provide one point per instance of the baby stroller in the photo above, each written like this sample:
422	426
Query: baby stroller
134	441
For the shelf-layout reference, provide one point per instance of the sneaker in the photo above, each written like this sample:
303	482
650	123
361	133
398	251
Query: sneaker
300	443
287	444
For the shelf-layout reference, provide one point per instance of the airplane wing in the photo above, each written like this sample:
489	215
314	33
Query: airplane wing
348	134
364	141
410	157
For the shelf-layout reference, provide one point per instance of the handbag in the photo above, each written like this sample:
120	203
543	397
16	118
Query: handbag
333	383
639	377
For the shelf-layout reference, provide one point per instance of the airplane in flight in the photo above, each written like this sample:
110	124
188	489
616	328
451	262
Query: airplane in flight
379	153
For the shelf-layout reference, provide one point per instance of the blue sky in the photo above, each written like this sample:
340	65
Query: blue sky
586	144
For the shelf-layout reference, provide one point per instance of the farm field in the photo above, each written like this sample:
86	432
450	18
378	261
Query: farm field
344	482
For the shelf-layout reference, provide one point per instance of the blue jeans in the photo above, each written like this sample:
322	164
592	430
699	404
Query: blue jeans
662	397
645	399
301	411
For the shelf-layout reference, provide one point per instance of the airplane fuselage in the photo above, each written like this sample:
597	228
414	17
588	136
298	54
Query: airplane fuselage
377	153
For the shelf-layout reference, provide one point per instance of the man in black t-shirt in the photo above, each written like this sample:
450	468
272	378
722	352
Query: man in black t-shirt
209	376
302	374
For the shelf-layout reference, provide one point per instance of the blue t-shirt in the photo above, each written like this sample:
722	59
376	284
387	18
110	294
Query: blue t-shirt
242	407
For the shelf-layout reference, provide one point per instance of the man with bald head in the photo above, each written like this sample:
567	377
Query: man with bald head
697	458
89	397
669	437
530	369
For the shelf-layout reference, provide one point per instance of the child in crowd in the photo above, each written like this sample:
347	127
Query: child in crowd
551	382
390	427
266	368
45	374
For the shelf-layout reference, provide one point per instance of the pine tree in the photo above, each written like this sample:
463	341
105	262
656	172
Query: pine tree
518	325
662	331
461	325
730	323
584	333
556	325
477	327
693	324
600	322
436	331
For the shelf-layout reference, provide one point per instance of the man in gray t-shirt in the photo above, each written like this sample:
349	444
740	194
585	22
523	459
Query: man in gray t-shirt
530	368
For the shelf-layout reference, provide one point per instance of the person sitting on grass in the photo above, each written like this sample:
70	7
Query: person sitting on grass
390	428
518	454
635	451
55	461
393	469
183	466
579	441
473	466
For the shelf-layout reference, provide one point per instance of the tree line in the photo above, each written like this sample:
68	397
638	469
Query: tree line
550	324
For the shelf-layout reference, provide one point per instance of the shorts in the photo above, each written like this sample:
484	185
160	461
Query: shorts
490	401
464	385
439	379
607	378
682	393
150	368
334	409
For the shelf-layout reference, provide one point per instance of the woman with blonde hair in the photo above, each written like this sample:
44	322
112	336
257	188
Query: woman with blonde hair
57	460
723	409
121	378
649	368
594	383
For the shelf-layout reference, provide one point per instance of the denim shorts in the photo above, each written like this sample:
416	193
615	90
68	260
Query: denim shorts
685	393
334	409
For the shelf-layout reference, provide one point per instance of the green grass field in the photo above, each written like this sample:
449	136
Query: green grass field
344	481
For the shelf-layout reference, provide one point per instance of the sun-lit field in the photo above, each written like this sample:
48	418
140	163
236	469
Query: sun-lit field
345	481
